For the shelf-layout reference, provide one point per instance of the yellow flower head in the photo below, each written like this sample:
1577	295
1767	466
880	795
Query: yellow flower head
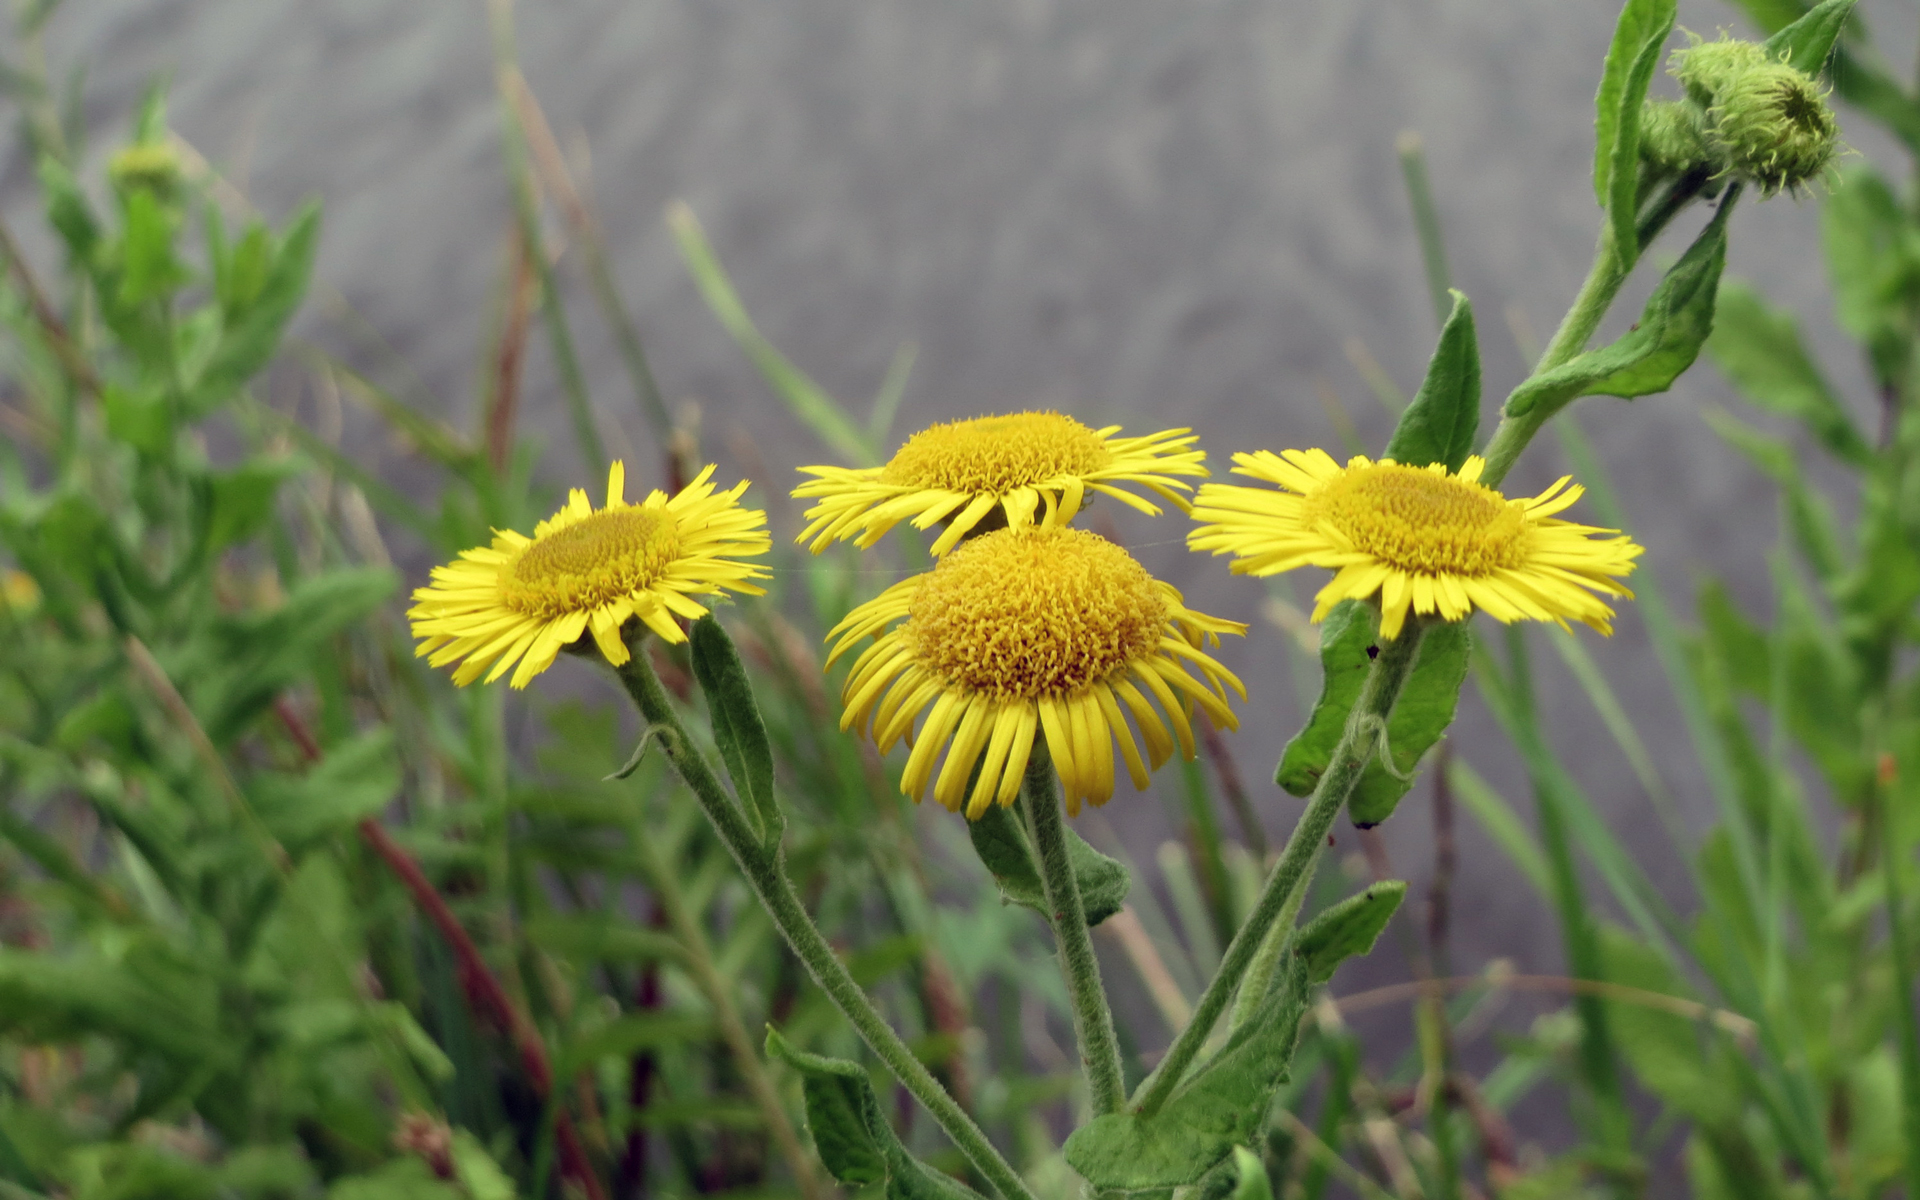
1017	464
1418	537
1025	630
587	570
19	594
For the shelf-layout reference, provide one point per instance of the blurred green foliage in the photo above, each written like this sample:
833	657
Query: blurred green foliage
283	914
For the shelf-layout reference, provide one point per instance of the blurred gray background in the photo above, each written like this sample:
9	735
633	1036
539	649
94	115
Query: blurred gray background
1138	211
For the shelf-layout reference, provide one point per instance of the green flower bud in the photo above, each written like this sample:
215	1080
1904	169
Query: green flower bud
1673	137
1707	69
1775	128
1757	119
150	165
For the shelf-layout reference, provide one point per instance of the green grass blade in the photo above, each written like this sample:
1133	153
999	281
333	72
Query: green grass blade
806	399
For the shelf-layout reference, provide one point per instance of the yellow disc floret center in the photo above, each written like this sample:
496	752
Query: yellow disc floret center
998	454
598	559
1032	612
1421	521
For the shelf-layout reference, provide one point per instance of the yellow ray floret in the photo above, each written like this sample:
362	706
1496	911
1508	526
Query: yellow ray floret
1019	466
1029	632
587	570
1420	538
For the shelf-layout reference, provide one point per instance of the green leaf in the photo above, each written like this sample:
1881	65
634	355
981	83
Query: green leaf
1873	260
1664	1048
806	399
241	500
626	1036
1222	1106
1806	43
68	210
599	937
1418	720
356	779
1761	352
400	1179
140	418
1252	1174
239	663
1001	842
737	728
1638	38
1809	518
851	1133
479	1176
1662	344
148	269
1439	426
1347	929
251	335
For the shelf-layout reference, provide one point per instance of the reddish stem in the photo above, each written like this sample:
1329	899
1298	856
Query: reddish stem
479	984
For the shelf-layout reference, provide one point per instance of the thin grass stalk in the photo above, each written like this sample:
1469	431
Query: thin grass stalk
526	203
706	976
584	223
1426	223
1598	1064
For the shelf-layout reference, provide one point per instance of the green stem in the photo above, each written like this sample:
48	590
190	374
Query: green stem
1596	296
765	870
1361	739
1092	1019
1576	329
1266	960
1890	866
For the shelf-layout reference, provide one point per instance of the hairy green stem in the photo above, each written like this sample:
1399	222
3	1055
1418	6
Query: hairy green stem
1092	1018
1596	296
1266	960
1362	738
765	869
1576	328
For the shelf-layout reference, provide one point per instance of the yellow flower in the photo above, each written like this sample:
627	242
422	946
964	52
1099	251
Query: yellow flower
587	570
19	594
1032	630
1418	537
1018	463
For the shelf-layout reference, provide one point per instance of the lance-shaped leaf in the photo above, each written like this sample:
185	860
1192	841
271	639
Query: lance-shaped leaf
1347	929
1807	42
1420	716
1220	1108
1439	426
1638	38
738	730
1002	845
1762	352
851	1132
1662	343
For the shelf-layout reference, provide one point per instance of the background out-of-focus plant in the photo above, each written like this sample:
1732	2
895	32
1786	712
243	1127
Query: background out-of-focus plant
284	915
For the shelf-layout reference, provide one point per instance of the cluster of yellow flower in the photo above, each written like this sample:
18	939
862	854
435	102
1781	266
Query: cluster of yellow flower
1026	626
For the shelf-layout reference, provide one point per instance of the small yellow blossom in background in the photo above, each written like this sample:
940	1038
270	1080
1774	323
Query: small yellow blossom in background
1421	539
587	570
1021	464
19	594
1030	630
